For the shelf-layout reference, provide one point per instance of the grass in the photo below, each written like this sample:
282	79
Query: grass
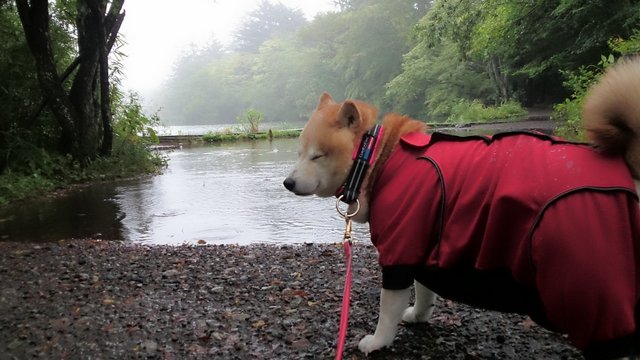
474	111
227	136
54	171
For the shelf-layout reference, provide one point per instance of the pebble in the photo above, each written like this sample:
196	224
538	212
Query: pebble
111	300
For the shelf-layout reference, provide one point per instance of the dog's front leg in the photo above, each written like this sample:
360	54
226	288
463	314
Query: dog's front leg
392	305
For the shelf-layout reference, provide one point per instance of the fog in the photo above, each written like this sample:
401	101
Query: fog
157	32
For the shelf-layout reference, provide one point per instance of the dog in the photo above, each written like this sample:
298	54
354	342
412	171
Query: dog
516	222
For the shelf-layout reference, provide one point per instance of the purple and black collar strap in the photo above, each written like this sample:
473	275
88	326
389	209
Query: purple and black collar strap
362	159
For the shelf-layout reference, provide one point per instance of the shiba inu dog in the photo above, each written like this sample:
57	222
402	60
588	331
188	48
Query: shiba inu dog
515	222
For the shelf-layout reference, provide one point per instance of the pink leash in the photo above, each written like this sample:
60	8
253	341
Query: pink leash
344	315
346	295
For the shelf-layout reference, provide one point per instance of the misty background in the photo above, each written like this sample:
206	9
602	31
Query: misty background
210	61
194	63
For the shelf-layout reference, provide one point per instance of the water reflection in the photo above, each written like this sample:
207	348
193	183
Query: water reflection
87	212
229	193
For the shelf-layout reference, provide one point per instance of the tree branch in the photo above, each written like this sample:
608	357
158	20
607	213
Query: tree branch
113	23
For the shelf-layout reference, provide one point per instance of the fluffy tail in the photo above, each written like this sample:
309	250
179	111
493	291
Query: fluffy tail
611	112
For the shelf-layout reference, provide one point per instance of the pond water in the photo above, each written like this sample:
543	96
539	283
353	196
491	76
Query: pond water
222	194
218	194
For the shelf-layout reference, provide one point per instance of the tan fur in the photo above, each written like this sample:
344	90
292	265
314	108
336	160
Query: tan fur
330	133
395	126
611	113
333	131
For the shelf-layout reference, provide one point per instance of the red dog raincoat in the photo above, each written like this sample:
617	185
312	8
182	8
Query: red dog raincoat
518	222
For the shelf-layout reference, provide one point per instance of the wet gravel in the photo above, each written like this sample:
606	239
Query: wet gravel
89	299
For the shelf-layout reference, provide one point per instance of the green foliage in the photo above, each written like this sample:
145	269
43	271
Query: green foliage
228	135
450	20
568	113
127	160
293	71
493	34
30	158
419	58
629	46
250	121
434	80
207	87
19	96
474	111
353	53
14	186
371	47
51	171
267	21
286	133
31	169
134	132
523	45
217	136
130	122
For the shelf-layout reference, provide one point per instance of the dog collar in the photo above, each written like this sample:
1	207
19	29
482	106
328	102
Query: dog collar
362	158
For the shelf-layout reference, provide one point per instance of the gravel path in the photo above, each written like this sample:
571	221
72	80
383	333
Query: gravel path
89	299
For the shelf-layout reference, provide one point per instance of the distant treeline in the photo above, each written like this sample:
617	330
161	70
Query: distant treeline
422	58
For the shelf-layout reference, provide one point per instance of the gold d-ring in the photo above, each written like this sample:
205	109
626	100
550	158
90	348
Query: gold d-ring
346	214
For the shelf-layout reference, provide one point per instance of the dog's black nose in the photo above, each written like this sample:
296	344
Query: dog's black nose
289	183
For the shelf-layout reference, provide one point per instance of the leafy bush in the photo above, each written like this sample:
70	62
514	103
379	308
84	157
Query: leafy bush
131	123
568	114
227	135
628	46
32	170
134	132
474	111
216	136
286	133
250	121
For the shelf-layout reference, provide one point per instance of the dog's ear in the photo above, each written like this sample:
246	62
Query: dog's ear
325	99
349	114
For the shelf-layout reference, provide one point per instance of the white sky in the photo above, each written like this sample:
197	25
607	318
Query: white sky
157	31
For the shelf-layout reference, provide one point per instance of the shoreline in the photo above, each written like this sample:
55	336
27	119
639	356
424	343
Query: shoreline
536	120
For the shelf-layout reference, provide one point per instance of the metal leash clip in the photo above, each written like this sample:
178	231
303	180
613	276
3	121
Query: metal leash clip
347	218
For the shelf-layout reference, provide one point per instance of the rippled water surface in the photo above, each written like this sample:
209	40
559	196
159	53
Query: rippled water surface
229	193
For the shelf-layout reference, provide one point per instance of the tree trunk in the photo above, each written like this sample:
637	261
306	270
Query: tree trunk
85	112
112	21
84	89
34	16
499	79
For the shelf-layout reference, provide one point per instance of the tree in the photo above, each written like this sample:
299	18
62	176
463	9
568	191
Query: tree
207	87
83	111
287	78
434	80
267	21
365	44
353	53
538	39
524	45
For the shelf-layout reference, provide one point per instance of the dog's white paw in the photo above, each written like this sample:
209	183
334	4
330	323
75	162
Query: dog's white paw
370	344
412	315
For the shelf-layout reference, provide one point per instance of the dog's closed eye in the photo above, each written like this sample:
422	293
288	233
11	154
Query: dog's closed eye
316	157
